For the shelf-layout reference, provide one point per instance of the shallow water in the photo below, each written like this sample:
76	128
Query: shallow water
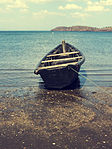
21	51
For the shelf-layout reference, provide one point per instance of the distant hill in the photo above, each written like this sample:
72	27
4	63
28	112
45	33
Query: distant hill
83	28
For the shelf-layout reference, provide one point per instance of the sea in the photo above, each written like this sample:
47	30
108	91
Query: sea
21	51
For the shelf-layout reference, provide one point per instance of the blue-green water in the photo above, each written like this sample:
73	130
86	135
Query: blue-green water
20	52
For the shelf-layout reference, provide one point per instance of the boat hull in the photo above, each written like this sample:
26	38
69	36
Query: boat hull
61	77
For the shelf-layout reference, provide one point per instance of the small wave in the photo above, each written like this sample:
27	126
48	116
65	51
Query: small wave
94	70
16	69
97	74
26	78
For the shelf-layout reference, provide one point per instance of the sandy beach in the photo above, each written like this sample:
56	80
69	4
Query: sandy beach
34	118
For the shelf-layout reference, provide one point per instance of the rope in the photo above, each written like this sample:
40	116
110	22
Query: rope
91	81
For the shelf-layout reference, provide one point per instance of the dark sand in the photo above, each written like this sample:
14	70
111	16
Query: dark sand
33	118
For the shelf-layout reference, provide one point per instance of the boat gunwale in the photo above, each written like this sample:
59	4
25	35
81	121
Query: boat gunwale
38	69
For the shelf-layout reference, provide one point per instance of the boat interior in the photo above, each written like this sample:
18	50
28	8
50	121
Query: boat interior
62	55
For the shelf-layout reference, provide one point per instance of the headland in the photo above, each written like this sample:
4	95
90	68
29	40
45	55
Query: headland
83	29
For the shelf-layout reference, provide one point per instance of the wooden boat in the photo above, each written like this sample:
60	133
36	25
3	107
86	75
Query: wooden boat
60	67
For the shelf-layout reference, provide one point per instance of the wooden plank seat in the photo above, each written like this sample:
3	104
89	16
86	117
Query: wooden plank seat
61	65
63	59
67	53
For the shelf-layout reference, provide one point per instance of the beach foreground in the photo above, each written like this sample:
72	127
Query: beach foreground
33	118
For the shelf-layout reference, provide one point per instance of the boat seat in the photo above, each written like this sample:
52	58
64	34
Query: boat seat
67	53
56	66
64	59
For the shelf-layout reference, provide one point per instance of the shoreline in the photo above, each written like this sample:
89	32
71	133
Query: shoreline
34	118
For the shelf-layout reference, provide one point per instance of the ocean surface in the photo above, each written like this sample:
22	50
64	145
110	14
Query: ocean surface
21	51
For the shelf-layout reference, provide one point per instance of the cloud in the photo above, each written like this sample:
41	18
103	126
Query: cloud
1	10
11	4
41	13
44	13
71	0
40	1
70	6
76	0
6	1
101	5
78	14
96	8
17	4
24	1
106	2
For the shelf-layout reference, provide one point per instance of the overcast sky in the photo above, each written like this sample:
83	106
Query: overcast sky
47	14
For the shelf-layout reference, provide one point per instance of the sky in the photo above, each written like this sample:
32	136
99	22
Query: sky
48	14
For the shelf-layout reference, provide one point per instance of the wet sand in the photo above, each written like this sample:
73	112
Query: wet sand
33	118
